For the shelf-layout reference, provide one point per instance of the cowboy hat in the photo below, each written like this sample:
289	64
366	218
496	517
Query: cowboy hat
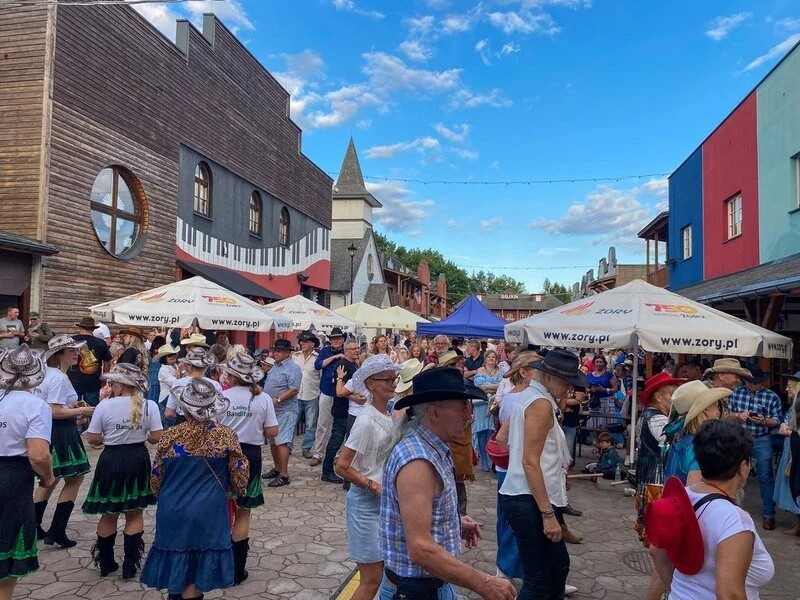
699	395
243	366
200	399
757	375
86	323
672	525
726	365
378	363
127	374
308	336
522	360
165	350
199	357
656	382
133	330
562	364
408	370
336	332
282	345
60	342
448	358
793	376
196	339
439	385
20	369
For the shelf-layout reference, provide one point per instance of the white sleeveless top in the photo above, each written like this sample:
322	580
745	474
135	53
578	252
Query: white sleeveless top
555	457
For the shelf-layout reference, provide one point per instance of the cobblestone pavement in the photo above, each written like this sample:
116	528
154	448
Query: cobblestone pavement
299	550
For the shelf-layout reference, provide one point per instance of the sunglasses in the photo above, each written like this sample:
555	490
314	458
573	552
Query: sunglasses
384	379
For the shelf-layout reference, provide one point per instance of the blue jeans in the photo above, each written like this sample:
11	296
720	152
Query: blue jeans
762	454
338	433
387	589
482	438
508	560
545	564
311	409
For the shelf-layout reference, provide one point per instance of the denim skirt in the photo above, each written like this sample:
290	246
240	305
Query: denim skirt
362	509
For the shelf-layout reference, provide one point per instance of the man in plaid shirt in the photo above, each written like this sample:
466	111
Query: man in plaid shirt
759	409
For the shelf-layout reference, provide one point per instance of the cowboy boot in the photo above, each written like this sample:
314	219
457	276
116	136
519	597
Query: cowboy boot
569	536
58	528
240	550
39	508
795	531
103	554
134	548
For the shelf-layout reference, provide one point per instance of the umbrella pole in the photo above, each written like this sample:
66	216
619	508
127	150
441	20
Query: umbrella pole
634	398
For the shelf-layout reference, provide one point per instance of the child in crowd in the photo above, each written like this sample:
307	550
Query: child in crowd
609	457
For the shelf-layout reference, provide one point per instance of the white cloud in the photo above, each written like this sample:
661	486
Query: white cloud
230	12
454	133
415	50
658	187
399	213
388	73
465	98
457	23
721	26
341	105
424	145
491	224
364	123
612	215
509	48
420	25
451	223
776	51
437	4
495	164
160	16
523	22
350	6
551	251
466	154
789	24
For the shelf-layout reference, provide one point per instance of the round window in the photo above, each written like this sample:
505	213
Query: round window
117	205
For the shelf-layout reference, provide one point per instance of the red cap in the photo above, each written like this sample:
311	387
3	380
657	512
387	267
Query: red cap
656	382
671	524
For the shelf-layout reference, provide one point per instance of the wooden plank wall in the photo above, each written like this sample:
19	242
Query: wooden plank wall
22	68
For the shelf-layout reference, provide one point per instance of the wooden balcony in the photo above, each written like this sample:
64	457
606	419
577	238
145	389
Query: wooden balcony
659	277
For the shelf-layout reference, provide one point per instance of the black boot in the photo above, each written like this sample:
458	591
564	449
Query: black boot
134	548
58	528
240	550
103	554
39	508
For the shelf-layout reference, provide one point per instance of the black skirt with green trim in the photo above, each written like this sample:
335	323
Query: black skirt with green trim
121	481
254	494
66	449
18	545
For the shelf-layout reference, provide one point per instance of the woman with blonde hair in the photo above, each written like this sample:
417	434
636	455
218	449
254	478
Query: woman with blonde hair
121	483
380	345
66	447
251	415
783	495
135	351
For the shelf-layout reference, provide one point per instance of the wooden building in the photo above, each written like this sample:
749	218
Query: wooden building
610	274
141	161
513	307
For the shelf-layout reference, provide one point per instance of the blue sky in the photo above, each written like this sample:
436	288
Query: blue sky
510	91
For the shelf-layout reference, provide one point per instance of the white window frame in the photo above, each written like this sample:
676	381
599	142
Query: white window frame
733	212
797	180
686	238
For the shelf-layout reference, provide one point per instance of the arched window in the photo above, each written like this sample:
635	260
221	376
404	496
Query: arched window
202	189
283	229
118	209
255	214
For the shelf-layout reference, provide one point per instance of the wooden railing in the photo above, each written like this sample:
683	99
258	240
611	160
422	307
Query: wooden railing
659	277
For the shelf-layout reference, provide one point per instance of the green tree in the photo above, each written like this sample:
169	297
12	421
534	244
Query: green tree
558	290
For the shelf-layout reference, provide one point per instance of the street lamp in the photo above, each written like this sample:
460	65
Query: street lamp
351	250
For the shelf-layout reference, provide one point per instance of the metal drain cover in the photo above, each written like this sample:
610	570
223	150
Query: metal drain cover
639	561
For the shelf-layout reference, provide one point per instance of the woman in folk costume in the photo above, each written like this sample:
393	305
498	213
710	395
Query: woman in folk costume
198	463
194	365
251	415
787	492
24	451
66	448
121	482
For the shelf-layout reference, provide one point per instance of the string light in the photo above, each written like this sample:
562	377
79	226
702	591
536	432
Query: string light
611	179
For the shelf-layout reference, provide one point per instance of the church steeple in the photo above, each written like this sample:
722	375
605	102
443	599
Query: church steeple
350	183
352	202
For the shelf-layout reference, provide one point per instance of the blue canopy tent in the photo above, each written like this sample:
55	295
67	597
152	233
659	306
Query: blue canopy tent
471	319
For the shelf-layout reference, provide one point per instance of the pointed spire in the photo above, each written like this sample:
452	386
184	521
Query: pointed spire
350	181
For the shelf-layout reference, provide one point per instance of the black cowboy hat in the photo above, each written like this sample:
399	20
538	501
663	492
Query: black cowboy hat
757	375
336	332
282	345
562	364
440	384
308	336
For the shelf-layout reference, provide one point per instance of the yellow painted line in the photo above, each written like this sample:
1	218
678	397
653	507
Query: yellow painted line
348	587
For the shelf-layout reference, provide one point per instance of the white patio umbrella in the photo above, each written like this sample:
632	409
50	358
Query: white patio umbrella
641	314
405	319
306	314
179	304
367	315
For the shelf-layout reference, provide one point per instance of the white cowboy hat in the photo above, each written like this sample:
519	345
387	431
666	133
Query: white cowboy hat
21	369
60	342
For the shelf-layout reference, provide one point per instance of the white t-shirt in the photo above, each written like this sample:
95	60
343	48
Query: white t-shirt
23	416
102	331
354	408
370	432
112	418
248	418
173	404
167	376
719	520
56	388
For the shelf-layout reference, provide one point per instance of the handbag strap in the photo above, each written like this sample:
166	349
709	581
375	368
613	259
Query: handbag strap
216	477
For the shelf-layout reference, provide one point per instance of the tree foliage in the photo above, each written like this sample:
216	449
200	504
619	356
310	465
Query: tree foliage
558	290
460	284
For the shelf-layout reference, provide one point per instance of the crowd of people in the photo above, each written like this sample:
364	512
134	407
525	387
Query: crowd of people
401	424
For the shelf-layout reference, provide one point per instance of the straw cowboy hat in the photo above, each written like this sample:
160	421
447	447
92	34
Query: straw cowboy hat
21	369
448	358
656	382
408	370
165	350
196	339
199	357
60	342
133	330
727	365
245	367
127	374
520	362
200	399
698	396
438	385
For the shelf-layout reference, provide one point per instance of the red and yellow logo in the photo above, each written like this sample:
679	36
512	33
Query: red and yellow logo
153	298
221	300
581	309
673	308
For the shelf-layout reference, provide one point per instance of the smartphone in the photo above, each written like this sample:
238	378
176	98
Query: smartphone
754	414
